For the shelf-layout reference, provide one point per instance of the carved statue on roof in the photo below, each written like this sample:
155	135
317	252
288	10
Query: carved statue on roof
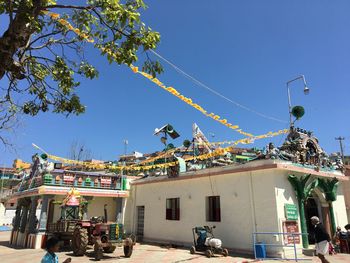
302	147
40	165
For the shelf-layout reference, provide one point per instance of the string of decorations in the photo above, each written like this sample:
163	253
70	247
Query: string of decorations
171	90
251	138
140	166
189	101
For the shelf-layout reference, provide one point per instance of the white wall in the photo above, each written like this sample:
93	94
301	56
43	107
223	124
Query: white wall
250	202
236	191
339	207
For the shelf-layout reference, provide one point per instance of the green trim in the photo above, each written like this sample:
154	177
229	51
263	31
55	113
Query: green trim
243	157
303	190
330	188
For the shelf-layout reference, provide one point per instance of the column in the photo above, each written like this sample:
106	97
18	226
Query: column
124	199
32	223
119	210
17	220
333	223
24	218
43	213
329	187
303	189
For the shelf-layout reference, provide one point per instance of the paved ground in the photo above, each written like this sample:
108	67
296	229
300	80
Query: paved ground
142	253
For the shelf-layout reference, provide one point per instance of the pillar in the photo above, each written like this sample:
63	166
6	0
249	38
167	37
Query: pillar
329	187
119	210
24	218
331	212
302	190
17	221
43	213
123	209
303	224
32	223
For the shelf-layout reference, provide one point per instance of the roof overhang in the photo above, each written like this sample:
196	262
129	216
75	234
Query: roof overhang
59	190
248	167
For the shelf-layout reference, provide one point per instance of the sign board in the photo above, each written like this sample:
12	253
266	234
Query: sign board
291	227
291	211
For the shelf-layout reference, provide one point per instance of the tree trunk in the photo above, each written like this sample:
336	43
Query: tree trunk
303	225
16	37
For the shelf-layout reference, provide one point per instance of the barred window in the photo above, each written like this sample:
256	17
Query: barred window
213	209
173	209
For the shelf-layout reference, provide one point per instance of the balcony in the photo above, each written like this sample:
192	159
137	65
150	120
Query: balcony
76	180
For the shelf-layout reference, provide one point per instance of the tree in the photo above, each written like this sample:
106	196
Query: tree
43	50
79	151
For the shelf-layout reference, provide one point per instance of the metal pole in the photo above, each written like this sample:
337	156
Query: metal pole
289	99
341	139
289	106
254	242
295	248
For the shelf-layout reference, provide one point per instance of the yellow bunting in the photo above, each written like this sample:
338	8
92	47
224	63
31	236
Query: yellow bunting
189	101
251	138
141	166
65	23
171	90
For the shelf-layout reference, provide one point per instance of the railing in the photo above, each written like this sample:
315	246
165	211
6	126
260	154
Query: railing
97	183
288	240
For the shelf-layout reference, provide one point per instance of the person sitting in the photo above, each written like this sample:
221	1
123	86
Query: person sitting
52	246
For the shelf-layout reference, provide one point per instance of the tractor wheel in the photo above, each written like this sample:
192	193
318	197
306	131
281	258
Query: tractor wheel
192	250
208	253
79	241
128	247
225	252
98	250
109	249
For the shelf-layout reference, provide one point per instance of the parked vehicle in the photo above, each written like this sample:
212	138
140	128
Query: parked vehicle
204	241
104	235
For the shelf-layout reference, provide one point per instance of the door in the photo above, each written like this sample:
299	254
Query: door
140	222
311	210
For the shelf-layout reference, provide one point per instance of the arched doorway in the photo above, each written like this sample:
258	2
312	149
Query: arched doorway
311	209
316	205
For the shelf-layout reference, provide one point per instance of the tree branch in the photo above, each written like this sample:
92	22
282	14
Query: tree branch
69	7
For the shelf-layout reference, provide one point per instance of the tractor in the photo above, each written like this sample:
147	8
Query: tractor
104	235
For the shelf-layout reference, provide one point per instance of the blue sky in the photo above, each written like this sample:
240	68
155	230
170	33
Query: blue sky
246	50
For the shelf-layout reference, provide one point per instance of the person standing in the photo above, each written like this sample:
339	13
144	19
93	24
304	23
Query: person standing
52	246
322	239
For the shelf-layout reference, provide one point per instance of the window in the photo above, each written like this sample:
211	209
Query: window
213	209
173	209
12	204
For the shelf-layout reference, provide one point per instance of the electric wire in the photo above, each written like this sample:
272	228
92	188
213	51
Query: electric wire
201	84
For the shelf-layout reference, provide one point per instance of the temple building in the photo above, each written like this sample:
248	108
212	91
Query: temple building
277	191
45	187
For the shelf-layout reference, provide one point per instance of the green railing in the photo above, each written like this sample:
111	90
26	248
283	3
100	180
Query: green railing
94	182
